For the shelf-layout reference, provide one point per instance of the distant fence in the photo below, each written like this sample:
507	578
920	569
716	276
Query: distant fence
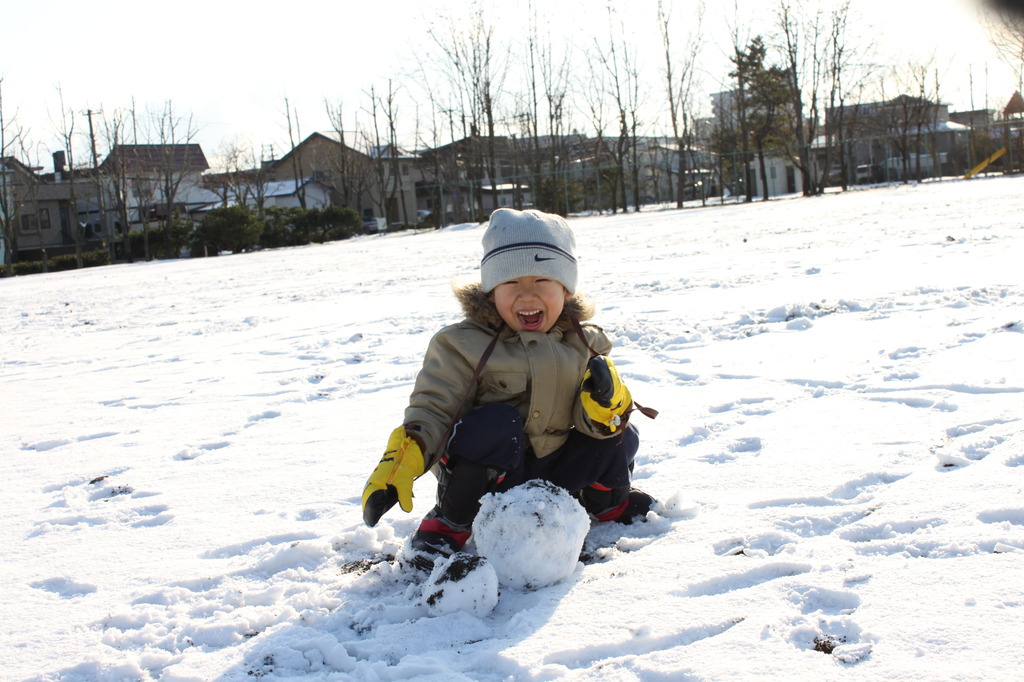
584	186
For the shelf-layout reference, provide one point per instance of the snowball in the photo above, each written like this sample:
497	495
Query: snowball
532	534
679	508
461	582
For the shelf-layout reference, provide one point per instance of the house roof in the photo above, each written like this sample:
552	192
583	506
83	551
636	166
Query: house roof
1015	106
13	164
284	188
331	136
386	151
155	157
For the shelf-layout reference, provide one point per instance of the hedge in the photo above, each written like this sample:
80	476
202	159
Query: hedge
90	259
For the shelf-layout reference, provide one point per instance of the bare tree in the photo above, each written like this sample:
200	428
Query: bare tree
9	201
847	82
351	171
118	128
836	60
543	116
469	57
375	143
36	220
802	49
680	82
343	177
294	137
1005	21
594	104
228	181
104	228
619	61
910	114
259	172
746	60
386	153
441	167
926	117
66	134
179	159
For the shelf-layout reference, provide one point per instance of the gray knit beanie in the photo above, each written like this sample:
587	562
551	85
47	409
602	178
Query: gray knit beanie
528	244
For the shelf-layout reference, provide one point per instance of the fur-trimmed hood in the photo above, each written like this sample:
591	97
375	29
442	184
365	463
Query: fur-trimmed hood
477	306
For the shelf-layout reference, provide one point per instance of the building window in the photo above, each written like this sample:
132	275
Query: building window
28	223
44	219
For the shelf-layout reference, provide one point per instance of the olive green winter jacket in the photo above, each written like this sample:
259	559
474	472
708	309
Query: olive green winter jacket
537	373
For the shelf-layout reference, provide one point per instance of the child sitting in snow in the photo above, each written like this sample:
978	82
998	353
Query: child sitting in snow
518	390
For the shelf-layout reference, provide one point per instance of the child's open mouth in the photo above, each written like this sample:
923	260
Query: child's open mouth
530	319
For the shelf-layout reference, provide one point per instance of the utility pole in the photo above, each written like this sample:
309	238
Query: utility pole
109	238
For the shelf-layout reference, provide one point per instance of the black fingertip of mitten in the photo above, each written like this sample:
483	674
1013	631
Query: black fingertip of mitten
600	383
378	503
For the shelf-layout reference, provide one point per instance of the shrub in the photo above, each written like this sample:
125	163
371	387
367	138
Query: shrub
297	226
232	228
90	259
339	222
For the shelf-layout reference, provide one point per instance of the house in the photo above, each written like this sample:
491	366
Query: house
275	193
379	183
147	183
286	195
906	137
457	183
42	215
739	171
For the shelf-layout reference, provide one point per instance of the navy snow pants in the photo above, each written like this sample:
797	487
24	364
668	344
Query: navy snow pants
489	452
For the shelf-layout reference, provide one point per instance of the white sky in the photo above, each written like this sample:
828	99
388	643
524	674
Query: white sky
232	64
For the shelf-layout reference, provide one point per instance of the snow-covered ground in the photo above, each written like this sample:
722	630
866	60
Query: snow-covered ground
839	455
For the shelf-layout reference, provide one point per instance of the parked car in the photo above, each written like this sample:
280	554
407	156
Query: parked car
374	224
868	174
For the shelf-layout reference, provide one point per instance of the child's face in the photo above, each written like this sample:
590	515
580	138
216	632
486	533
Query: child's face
531	304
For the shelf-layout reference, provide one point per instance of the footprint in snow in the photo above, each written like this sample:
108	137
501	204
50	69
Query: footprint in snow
150	517
920	403
102	501
736	404
906	352
962	451
760	546
746	445
734	450
194	452
642	642
745	579
825	624
65	588
262	416
818	526
1014	517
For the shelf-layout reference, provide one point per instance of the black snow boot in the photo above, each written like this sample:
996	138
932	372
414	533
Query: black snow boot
623	505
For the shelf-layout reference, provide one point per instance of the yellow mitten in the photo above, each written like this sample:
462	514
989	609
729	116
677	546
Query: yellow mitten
391	481
605	398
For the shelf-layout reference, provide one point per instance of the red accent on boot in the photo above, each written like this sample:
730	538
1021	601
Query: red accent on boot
438	526
614	513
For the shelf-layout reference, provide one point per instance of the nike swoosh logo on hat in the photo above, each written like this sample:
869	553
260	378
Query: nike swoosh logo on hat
537	258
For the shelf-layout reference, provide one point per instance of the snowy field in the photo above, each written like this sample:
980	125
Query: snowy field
839	456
